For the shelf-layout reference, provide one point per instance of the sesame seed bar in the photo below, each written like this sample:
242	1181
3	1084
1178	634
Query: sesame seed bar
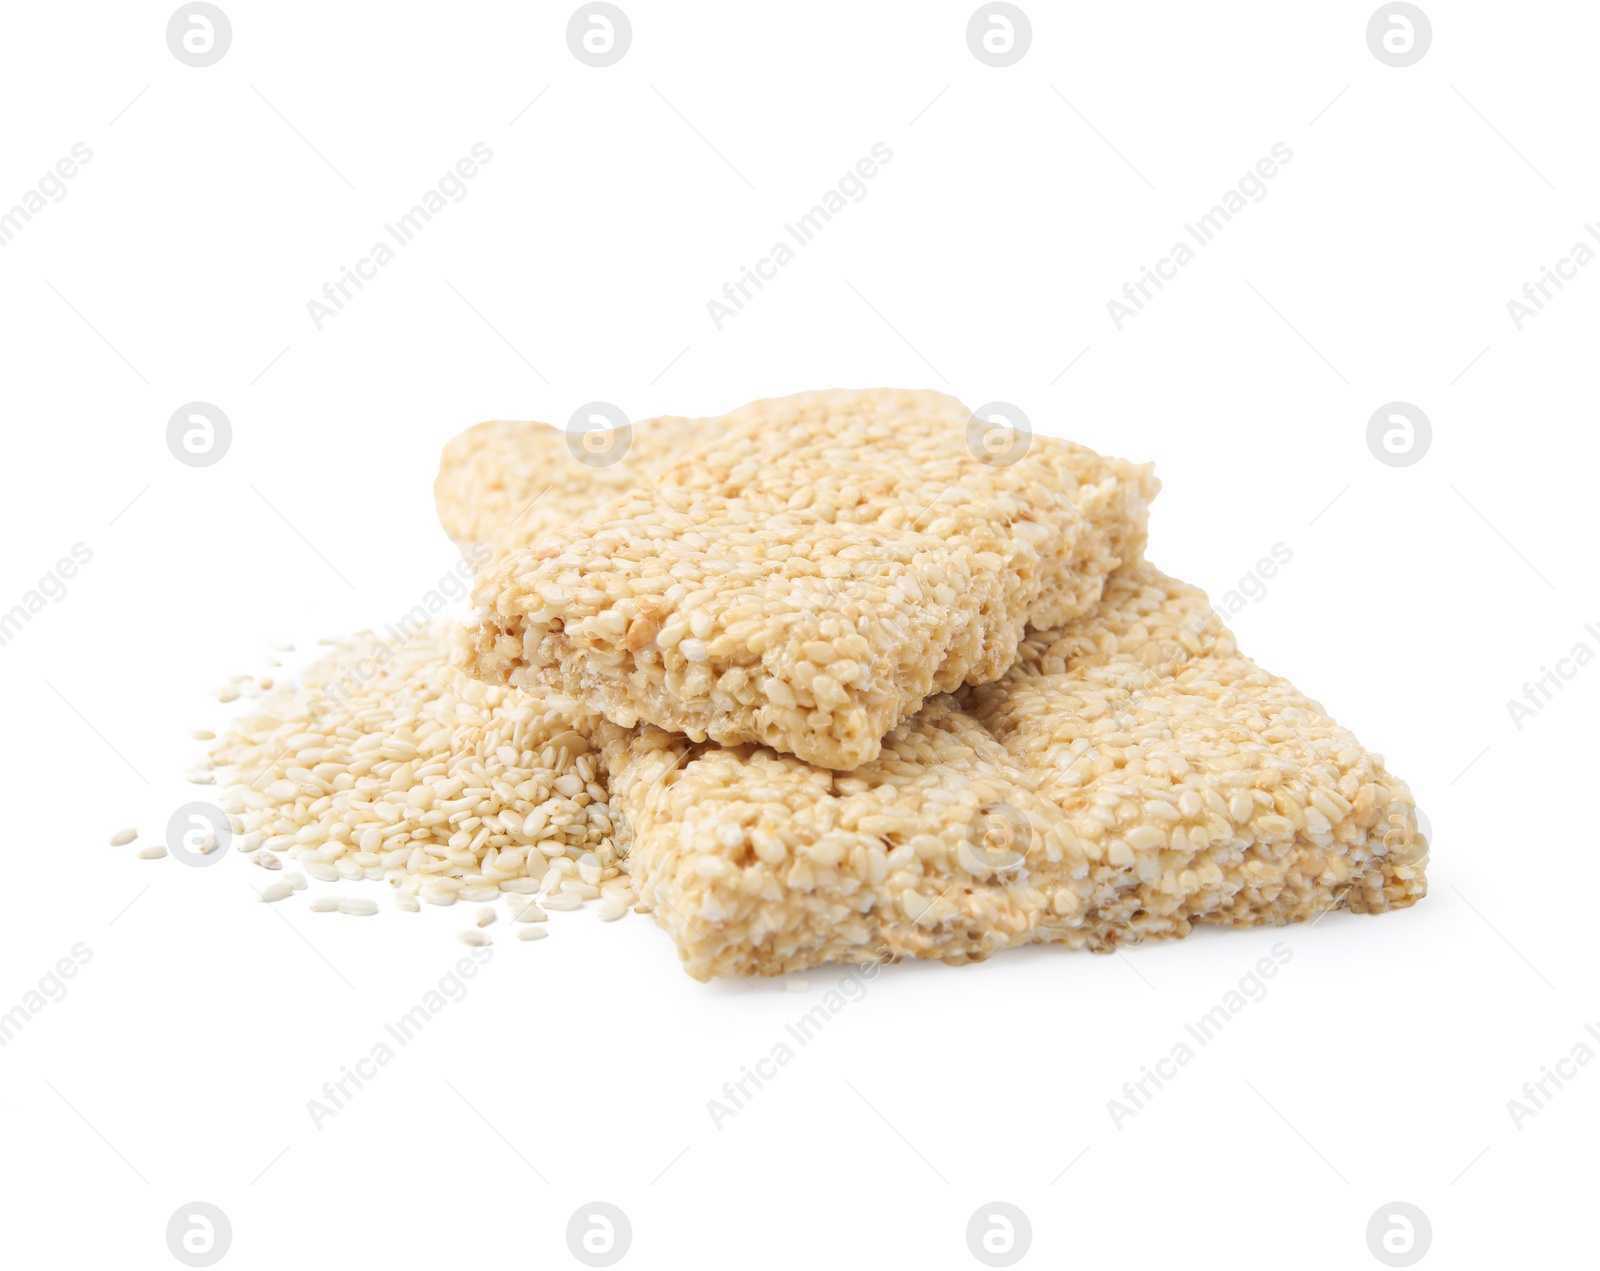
810	575
1131	776
507	483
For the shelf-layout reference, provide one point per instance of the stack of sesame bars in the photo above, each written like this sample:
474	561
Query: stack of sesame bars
871	678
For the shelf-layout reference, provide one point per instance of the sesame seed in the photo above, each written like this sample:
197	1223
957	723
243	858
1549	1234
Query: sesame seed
563	903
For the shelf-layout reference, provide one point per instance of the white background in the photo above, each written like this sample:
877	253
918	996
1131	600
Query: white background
1018	201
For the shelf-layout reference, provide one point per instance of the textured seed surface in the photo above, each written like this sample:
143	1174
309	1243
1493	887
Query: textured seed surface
811	572
507	483
1131	776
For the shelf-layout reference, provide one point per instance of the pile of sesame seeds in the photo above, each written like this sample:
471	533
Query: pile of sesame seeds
386	764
